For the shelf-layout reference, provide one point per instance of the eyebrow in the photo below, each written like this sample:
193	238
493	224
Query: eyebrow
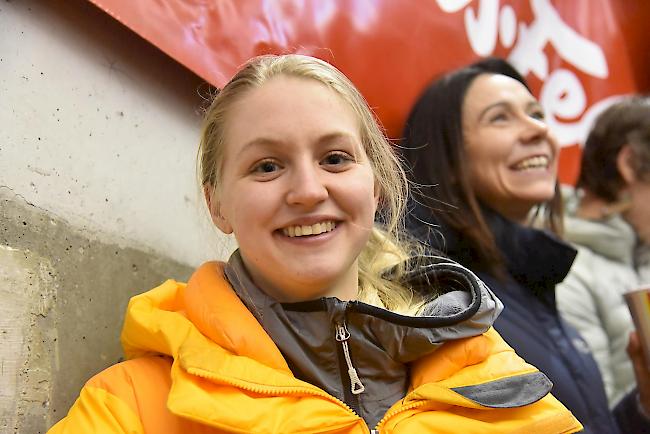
271	142
532	103
258	142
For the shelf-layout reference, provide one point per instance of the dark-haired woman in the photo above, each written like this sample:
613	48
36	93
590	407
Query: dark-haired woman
485	161
609	222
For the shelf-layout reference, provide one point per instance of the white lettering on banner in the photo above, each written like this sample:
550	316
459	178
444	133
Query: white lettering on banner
507	26
482	28
451	6
562	94
572	47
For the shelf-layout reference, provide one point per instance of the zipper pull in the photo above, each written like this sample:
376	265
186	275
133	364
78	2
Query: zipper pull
342	333
342	336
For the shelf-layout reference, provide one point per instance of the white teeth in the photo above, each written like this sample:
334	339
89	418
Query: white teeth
315	229
537	162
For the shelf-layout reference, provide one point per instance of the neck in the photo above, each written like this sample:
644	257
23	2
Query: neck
293	290
592	207
516	214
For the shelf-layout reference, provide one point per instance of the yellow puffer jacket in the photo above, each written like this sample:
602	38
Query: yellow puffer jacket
221	373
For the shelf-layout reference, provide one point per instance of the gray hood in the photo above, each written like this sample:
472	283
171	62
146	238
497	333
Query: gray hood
611	237
360	353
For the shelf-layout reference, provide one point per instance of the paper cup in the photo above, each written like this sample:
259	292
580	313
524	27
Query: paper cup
638	301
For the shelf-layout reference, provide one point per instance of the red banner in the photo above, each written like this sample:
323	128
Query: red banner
578	55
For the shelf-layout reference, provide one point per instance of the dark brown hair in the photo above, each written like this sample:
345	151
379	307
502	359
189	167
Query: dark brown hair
434	147
626	122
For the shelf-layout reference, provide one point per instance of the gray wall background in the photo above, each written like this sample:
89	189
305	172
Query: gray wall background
98	196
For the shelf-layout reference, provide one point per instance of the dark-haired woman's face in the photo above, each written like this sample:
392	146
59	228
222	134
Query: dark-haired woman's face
512	155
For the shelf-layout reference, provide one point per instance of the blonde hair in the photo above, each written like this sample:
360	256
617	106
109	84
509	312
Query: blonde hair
387	247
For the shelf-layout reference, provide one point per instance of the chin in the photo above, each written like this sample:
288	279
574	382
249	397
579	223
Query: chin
540	195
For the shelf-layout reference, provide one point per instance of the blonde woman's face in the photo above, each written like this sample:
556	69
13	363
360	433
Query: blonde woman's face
297	189
512	154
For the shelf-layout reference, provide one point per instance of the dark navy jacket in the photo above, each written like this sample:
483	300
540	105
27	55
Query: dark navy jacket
536	261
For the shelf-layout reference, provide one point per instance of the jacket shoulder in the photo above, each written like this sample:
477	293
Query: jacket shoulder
139	376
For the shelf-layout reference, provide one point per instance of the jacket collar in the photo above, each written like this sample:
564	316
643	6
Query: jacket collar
535	258
612	238
380	343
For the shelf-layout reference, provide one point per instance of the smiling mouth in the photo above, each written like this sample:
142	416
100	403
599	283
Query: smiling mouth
536	162
307	230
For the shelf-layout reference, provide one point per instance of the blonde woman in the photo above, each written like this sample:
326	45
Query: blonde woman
319	322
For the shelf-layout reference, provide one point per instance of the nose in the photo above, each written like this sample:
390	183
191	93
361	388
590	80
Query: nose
534	130
307	187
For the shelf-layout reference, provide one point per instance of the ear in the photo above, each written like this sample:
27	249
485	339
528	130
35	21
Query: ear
214	206
624	165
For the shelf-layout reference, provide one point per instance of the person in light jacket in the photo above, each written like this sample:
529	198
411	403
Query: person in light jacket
608	220
321	321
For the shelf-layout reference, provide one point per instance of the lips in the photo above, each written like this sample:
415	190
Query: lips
307	230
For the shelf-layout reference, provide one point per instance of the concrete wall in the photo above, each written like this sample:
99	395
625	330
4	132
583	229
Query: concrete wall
98	199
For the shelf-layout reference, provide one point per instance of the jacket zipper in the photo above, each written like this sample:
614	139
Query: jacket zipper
342	336
389	415
353	387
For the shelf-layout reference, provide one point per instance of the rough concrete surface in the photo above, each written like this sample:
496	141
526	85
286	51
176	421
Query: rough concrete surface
63	294
27	339
101	127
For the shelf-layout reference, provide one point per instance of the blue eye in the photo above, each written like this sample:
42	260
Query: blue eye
266	167
337	159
